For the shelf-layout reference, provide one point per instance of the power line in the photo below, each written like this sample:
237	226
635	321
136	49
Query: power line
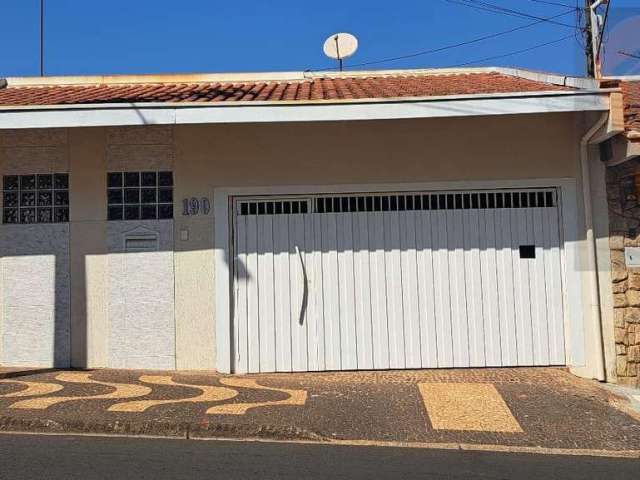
558	4
497	9
492	8
630	55
516	52
580	29
460	44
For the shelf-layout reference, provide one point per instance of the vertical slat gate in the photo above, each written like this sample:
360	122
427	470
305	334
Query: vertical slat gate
284	304
362	279
490	292
393	280
426	289
378	273
378	281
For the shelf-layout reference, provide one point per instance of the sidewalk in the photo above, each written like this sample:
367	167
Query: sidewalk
13	372
504	408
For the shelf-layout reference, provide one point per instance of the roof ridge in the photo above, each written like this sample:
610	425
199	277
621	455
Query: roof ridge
12	83
265	77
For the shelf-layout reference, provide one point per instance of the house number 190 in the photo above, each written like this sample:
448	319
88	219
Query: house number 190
195	206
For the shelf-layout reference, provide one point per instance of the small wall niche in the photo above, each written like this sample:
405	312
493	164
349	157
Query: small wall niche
141	243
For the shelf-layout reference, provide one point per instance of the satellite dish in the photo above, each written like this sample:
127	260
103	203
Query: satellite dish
340	46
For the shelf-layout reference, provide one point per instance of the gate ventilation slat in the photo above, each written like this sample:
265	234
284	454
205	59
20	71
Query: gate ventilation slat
436	201
278	207
403	202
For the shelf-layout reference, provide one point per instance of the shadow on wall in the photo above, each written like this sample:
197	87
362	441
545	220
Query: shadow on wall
35	295
38	327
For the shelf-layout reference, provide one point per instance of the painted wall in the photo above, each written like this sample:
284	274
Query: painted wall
34	262
140	299
204	157
366	152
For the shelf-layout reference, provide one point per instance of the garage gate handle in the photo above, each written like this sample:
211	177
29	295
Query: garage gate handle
305	288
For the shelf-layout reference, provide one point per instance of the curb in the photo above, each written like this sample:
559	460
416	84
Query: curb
185	430
25	372
266	433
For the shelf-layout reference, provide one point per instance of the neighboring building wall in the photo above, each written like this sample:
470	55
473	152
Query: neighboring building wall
624	215
34	261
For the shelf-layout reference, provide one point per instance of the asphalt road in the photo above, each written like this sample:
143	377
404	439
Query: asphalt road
88	458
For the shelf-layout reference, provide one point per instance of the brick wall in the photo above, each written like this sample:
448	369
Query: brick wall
623	191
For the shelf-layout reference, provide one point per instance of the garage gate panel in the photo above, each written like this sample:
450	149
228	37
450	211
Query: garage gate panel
407	280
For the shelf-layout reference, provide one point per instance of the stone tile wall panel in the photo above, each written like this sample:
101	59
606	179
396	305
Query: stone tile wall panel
623	195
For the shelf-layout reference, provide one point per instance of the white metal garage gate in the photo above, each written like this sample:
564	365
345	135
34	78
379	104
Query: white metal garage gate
407	280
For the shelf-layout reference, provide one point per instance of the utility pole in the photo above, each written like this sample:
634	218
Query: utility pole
42	38
588	39
595	25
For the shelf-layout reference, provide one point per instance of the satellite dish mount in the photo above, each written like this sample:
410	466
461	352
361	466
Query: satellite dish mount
340	46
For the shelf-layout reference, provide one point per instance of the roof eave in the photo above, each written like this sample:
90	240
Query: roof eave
120	114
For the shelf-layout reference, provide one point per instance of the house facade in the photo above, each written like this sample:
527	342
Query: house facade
309	222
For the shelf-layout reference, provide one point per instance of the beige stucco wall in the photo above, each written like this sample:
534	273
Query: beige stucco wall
506	148
208	156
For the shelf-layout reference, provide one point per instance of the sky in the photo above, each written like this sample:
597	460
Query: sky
168	36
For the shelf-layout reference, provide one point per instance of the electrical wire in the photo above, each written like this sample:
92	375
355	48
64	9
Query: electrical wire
516	52
630	55
492	8
580	29
558	4
455	45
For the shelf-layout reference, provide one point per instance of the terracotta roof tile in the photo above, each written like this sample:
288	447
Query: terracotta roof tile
631	98
319	88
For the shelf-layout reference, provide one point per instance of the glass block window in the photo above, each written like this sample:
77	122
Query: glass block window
37	198
139	195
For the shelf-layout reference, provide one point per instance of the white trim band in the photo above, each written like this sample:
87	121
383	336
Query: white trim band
65	116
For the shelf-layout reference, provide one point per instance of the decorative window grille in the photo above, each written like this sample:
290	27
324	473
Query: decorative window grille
139	195
36	198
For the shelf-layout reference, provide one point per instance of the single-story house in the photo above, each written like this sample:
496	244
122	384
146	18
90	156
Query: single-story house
312	221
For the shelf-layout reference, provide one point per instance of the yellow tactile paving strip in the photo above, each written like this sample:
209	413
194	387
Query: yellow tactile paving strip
209	394
121	390
467	406
296	397
34	389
